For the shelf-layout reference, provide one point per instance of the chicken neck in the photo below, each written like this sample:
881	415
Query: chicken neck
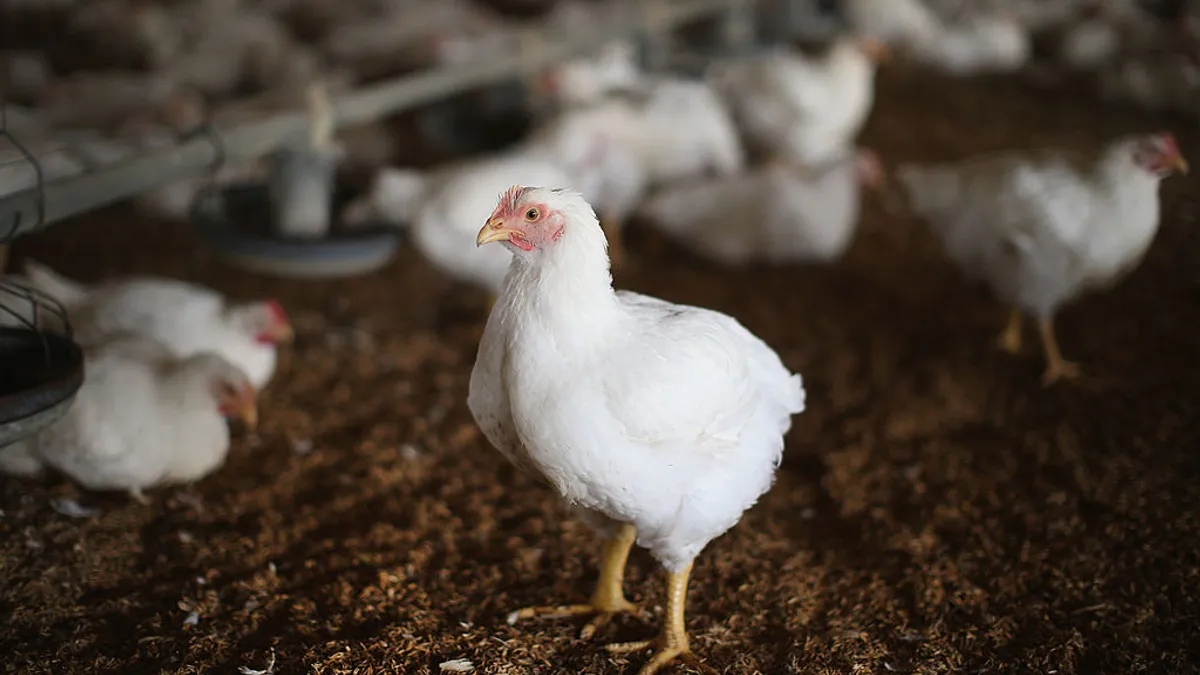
608	598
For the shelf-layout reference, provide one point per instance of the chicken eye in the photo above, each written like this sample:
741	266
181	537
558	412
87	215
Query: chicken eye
532	215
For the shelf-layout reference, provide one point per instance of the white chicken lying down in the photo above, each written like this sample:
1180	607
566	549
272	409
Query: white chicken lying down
142	418
187	318
1042	227
810	107
442	209
662	422
777	213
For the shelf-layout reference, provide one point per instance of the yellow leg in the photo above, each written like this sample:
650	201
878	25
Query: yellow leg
1010	338
672	641
1057	368
616	248
607	600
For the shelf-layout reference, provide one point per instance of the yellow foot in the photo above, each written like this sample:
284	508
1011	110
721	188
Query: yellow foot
601	612
1059	370
1010	339
666	651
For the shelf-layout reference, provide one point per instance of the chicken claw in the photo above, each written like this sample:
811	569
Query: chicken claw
1057	368
1010	338
672	642
608	599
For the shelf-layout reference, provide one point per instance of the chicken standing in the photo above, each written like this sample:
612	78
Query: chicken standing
187	318
142	418
662	422
778	212
1042	227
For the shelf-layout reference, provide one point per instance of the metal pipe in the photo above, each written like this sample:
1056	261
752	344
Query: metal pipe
535	49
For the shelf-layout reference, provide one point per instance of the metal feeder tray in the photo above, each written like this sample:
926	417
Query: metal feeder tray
235	221
40	373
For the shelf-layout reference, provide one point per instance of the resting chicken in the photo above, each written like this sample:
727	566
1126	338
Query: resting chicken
663	423
142	418
778	212
187	318
1043	227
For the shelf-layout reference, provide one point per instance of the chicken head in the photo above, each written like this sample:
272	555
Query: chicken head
523	224
234	395
1159	155
266	321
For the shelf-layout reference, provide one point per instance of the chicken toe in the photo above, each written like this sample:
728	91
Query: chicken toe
607	600
1010	339
672	643
1057	368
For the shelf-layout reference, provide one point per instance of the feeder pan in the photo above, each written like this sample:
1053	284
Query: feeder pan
40	371
235	221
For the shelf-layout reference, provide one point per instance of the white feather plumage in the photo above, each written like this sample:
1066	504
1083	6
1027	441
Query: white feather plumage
664	416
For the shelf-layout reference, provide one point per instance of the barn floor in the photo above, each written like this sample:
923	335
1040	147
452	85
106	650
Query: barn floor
937	512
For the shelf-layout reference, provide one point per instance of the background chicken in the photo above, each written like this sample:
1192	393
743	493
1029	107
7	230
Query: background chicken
1042	227
664	421
142	418
778	212
442	209
809	106
187	318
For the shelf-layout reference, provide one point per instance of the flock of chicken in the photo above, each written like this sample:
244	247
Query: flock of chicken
662	423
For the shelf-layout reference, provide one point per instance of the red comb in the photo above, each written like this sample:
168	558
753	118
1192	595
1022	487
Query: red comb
508	200
1168	140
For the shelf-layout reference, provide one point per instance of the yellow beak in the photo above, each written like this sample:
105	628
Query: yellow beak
285	333
875	50
248	409
494	231
1180	164
249	415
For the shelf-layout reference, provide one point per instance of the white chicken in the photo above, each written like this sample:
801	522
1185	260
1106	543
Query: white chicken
142	418
981	43
442	209
901	23
588	79
662	422
808	108
187	318
1043	227
777	212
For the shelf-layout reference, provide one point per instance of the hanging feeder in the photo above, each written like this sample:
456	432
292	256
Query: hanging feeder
284	226
41	366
